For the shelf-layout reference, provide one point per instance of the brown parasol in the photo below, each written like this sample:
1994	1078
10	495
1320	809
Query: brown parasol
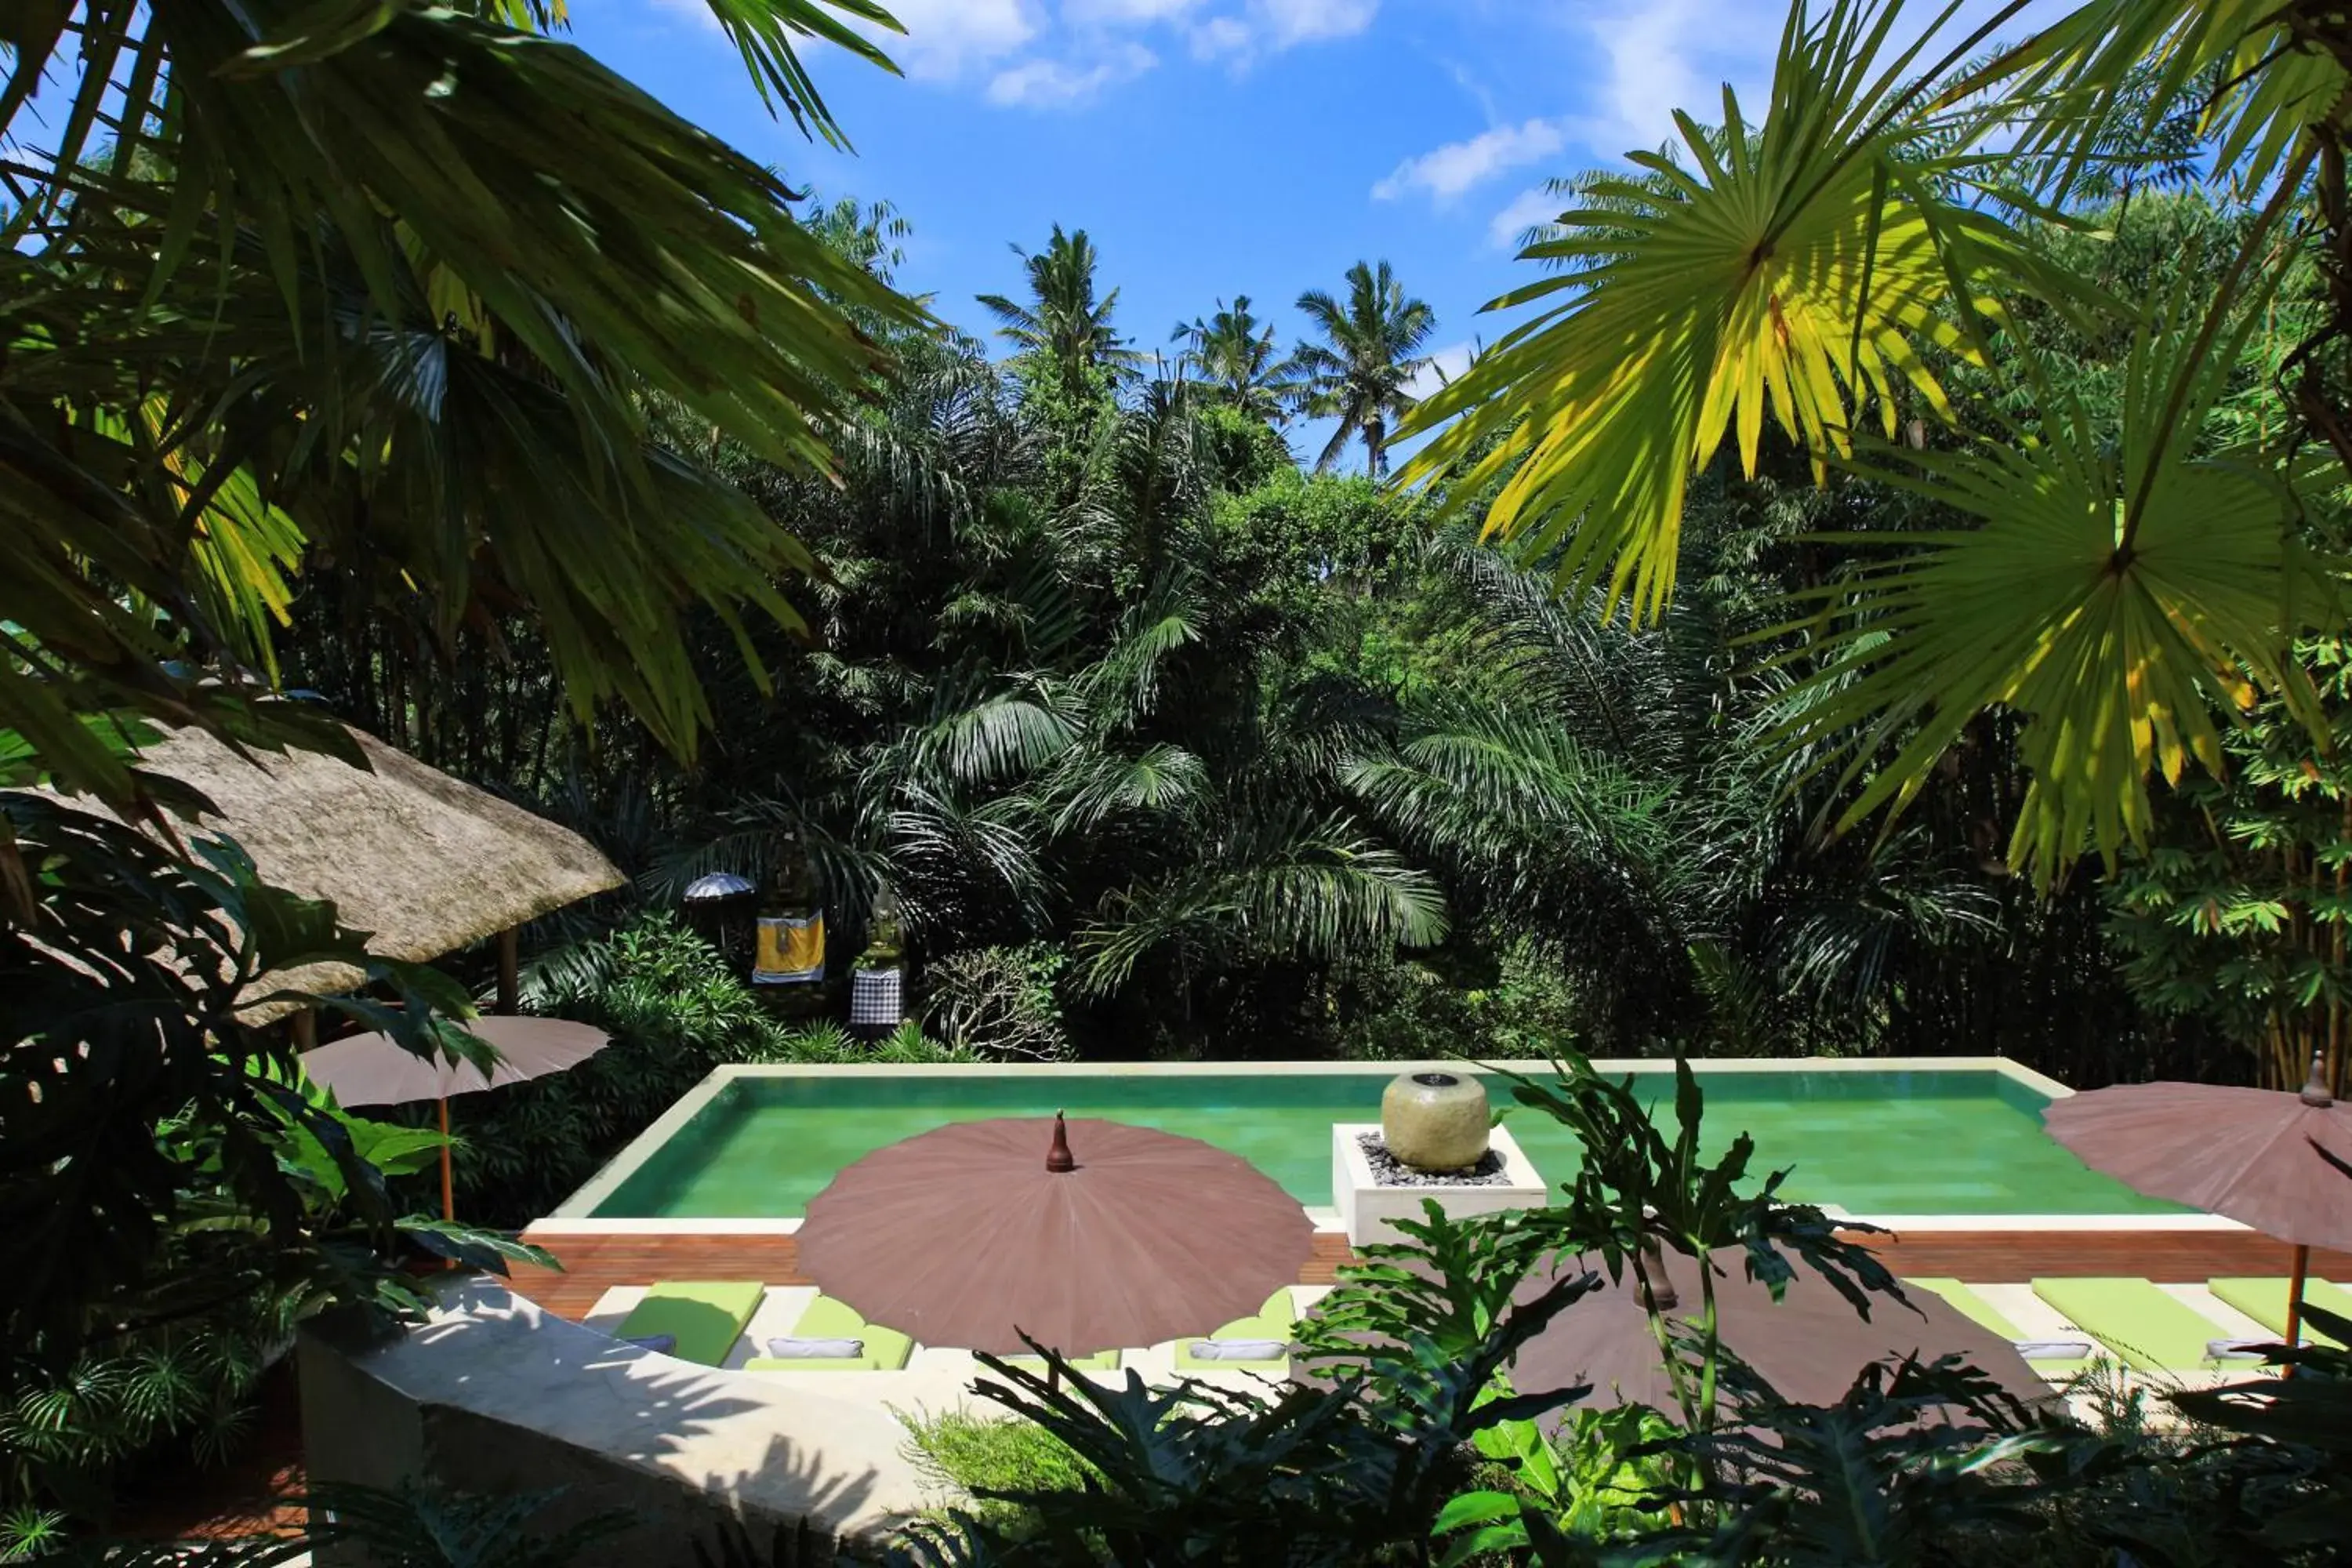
1086	1237
2263	1157
1809	1345
376	1070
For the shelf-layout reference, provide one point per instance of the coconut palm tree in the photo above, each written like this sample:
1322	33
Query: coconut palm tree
1065	325
1370	353
1233	353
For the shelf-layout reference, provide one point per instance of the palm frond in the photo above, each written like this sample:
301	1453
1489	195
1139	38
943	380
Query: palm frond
2115	595
1792	273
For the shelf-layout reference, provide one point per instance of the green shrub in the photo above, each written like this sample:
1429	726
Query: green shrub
676	1009
67	1439
964	1453
1511	1004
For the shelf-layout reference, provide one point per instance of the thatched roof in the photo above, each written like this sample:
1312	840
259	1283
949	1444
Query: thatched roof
425	863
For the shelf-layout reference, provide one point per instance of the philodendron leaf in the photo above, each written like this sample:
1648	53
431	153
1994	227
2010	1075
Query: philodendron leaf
472	1246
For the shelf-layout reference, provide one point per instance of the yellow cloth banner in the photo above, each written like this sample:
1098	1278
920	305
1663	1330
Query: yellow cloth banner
792	951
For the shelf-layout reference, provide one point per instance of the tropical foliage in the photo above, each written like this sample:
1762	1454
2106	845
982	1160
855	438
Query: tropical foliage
301	292
1934	478
273	302
2110	583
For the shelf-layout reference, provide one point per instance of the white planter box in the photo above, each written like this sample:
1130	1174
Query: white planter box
1368	1210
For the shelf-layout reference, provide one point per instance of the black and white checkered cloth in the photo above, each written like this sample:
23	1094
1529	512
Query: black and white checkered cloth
877	997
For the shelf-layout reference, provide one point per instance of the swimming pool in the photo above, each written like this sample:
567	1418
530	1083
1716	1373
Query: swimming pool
1952	1139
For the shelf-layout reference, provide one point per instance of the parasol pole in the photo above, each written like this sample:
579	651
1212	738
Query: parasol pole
2295	1298
1058	1159
2315	1094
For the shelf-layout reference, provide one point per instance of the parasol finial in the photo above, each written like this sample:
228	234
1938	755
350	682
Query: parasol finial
2314	1088
1059	1158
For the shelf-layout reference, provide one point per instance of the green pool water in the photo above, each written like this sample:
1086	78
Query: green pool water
1958	1143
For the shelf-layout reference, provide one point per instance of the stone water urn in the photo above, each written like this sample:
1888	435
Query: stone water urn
1435	1121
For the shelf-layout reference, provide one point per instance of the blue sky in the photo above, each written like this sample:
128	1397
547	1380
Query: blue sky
1216	147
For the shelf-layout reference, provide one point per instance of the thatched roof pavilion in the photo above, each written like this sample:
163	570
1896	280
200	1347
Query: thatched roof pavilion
425	863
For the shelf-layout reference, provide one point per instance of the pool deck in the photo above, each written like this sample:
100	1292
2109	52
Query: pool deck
598	1255
596	1261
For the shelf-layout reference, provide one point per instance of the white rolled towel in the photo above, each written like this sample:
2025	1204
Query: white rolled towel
817	1350
1239	1350
2052	1349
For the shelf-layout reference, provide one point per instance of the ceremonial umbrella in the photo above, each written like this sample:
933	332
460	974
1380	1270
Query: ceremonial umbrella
2264	1157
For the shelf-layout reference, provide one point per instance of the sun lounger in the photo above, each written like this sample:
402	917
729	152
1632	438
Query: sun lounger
2150	1331
887	1350
1983	1313
2264	1301
1274	1321
704	1317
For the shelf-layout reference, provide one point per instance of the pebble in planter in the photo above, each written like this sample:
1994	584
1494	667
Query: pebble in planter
1435	1121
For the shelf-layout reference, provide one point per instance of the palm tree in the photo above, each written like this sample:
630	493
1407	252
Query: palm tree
474	429
1370	353
1815	270
1233	353
1064	325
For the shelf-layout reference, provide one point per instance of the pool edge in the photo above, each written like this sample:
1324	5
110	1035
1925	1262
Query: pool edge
581	1205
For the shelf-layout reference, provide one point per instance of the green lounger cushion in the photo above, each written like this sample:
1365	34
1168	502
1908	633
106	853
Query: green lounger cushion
2146	1328
1968	1304
1984	1314
887	1350
1274	1320
705	1316
2264	1301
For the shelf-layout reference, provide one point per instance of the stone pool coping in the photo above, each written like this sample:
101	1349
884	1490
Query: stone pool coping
576	1214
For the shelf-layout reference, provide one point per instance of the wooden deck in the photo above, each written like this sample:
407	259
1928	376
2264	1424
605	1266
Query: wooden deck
2167	1256
594	1264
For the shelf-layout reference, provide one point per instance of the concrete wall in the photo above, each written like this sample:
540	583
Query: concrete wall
494	1397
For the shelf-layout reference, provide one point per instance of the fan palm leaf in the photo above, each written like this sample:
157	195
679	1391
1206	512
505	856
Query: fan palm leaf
2114	594
1791	271
2262	73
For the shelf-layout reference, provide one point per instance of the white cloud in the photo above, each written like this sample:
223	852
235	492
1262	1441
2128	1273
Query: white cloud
1443	366
1658	56
1287	22
1220	36
1527	209
1269	26
946	37
1055	84
1448	170
1128	13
